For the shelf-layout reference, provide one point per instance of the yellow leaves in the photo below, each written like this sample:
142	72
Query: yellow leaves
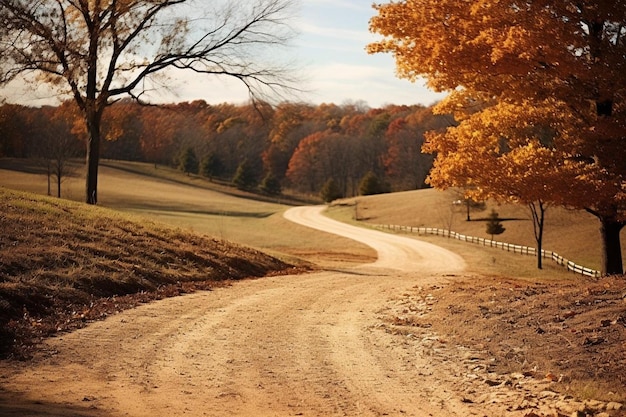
229	123
525	81
507	151
514	42
420	34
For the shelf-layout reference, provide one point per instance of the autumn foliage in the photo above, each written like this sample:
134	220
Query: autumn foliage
539	93
289	146
99	52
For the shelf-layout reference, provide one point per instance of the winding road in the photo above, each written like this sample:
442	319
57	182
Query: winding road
279	346
394	252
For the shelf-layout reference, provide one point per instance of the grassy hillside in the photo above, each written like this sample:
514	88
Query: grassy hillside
573	234
196	205
61	261
63	264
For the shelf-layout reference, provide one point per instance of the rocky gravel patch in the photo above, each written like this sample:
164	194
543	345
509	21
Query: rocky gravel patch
485	366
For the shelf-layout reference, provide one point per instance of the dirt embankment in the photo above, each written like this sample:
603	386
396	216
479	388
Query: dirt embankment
62	265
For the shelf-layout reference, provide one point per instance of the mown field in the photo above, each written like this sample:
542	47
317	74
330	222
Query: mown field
574	234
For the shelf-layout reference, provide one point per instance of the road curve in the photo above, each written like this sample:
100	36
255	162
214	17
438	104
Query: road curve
309	344
394	252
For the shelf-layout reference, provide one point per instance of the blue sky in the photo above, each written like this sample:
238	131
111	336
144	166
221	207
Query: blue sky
330	52
333	36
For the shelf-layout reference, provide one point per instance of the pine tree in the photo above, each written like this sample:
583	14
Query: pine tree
371	184
330	191
494	226
188	162
270	185
211	166
244	178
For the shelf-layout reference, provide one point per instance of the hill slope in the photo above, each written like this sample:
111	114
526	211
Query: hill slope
63	263
571	233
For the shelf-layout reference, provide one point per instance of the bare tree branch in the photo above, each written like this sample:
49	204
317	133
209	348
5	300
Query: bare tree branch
101	51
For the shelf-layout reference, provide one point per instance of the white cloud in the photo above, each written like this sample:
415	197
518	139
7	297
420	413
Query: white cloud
337	34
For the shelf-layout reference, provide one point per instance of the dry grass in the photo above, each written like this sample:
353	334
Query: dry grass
59	258
63	265
572	234
199	206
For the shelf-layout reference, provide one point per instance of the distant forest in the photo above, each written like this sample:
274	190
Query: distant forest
301	147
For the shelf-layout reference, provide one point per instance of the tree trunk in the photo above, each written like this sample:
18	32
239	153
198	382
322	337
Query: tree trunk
538	212
611	246
49	175
93	159
540	254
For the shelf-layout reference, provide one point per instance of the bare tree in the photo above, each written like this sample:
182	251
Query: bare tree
53	144
56	154
100	51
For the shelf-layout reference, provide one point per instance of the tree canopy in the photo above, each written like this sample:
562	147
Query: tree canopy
291	143
99	50
539	92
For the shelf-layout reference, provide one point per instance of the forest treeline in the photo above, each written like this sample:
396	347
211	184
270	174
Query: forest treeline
302	147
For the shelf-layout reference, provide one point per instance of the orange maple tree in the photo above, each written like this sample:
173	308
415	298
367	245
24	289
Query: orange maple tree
538	90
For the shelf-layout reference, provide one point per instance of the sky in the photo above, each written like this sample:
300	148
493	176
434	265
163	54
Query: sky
329	51
332	41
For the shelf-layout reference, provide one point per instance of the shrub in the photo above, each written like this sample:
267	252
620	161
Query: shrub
330	191
270	185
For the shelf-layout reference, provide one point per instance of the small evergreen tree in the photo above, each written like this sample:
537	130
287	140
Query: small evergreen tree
371	184
188	161
211	166
494	226
330	191
270	185
244	178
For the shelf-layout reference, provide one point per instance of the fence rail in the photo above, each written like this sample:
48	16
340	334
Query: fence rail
523	250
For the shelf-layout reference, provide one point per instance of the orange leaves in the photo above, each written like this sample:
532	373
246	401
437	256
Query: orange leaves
508	151
521	50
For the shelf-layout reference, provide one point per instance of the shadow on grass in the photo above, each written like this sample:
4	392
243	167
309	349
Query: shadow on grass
502	219
217	185
37	167
13	404
27	166
157	208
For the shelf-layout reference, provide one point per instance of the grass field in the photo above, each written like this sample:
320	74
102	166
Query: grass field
572	234
195	204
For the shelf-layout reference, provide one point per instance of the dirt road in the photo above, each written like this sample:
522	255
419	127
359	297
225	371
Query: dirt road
394	252
283	346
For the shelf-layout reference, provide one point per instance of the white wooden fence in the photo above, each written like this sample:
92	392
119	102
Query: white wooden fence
524	250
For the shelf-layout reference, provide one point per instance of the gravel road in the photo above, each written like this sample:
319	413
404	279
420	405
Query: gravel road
281	346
